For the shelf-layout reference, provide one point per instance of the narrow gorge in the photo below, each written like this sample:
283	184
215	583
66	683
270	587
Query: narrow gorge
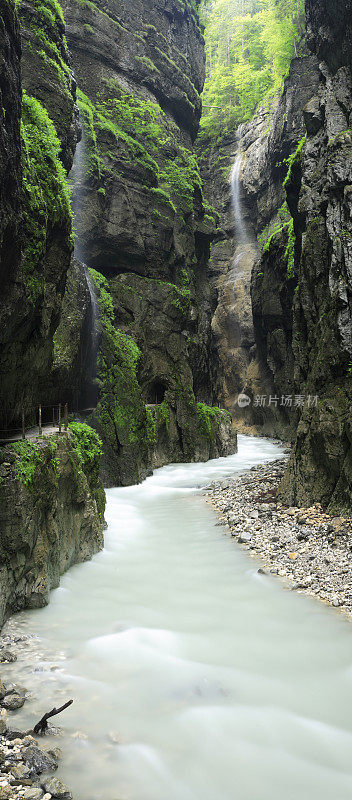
175	319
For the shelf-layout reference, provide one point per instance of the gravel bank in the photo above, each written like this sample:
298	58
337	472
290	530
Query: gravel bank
309	549
26	769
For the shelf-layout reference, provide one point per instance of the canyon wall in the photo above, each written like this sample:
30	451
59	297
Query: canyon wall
253	328
51	515
319	195
305	272
35	207
282	323
145	228
117	86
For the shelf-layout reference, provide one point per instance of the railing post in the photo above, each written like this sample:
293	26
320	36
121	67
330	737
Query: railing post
23	425
53	416
59	417
40	421
66	416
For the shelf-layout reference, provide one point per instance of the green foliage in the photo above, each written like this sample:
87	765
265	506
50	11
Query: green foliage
121	413
27	461
249	47
122	129
283	216
290	250
46	199
207	417
286	230
293	160
88	450
47	38
163	414
88	446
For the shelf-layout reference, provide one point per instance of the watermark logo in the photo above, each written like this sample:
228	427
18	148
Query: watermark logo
243	400
288	401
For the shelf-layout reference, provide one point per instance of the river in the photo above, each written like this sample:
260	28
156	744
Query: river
193	676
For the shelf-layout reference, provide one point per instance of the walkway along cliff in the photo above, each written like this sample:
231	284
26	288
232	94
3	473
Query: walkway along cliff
123	97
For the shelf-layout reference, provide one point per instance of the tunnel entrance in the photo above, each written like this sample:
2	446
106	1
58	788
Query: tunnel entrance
156	393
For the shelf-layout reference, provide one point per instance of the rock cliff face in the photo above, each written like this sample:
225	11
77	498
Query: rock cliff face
140	216
301	287
36	221
253	327
319	194
51	513
144	226
10	153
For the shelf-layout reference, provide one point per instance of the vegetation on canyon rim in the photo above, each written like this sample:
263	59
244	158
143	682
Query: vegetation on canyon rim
249	48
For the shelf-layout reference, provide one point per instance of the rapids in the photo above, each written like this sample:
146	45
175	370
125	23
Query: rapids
193	676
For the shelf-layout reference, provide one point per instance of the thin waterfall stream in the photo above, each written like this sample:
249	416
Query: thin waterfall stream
89	391
193	676
244	242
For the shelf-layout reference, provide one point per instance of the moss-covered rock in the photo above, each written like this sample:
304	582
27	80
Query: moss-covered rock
51	508
147	414
30	308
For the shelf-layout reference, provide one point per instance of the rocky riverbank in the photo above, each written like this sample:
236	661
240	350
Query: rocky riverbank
26	770
307	548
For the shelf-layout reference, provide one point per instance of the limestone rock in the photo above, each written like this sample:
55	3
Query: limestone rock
57	789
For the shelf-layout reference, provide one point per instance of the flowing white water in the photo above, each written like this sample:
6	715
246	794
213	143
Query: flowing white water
216	683
89	389
239	224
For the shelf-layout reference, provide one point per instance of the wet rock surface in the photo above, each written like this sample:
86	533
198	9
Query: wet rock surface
25	766
252	343
308	548
46	526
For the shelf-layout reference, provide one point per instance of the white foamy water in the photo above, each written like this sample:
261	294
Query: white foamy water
193	677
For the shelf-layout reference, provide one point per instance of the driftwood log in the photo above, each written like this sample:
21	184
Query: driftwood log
42	725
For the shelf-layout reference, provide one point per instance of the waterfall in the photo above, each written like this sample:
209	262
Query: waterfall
89	394
239	224
89	389
242	238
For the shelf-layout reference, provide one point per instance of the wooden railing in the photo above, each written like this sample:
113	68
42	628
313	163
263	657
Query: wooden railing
58	419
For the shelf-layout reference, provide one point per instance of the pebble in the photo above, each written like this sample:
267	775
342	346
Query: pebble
22	761
309	548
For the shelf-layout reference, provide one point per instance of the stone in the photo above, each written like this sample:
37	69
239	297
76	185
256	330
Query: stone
20	771
13	701
38	760
6	793
33	794
244	538
57	789
7	656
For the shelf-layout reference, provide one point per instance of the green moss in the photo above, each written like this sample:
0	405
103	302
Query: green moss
88	449
148	63
122	129
46	199
28	457
163	414
290	250
121	413
283	216
207	417
293	160
47	39
284	231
